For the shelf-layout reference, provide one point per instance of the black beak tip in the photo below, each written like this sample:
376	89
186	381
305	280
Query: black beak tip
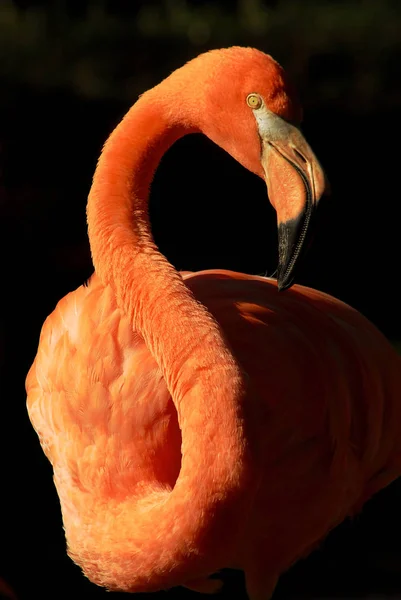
293	236
284	283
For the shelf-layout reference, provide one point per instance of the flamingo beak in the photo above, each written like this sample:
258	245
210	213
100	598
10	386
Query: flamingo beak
296	182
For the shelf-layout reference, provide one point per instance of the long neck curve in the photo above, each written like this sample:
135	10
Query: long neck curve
198	521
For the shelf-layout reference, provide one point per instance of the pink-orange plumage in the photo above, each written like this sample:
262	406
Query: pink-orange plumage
204	420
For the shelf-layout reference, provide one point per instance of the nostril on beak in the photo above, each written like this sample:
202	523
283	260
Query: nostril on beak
299	155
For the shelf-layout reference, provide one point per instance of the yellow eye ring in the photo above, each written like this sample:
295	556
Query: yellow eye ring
254	101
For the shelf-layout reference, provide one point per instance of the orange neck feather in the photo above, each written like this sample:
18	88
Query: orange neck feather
184	339
174	325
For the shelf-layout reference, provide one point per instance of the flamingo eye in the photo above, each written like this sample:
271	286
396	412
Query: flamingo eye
254	101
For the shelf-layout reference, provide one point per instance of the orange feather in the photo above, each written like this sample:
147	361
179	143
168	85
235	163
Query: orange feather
204	420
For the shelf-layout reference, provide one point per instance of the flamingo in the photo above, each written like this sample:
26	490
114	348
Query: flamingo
198	421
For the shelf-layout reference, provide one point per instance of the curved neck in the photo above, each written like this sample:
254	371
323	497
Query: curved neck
149	290
205	381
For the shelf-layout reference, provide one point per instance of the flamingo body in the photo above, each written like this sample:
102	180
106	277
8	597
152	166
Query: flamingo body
323	409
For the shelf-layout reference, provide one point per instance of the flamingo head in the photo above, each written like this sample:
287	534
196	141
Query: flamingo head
243	101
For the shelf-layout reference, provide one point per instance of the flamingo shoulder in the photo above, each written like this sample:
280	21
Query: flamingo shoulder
97	398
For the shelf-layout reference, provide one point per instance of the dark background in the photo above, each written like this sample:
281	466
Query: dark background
68	72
